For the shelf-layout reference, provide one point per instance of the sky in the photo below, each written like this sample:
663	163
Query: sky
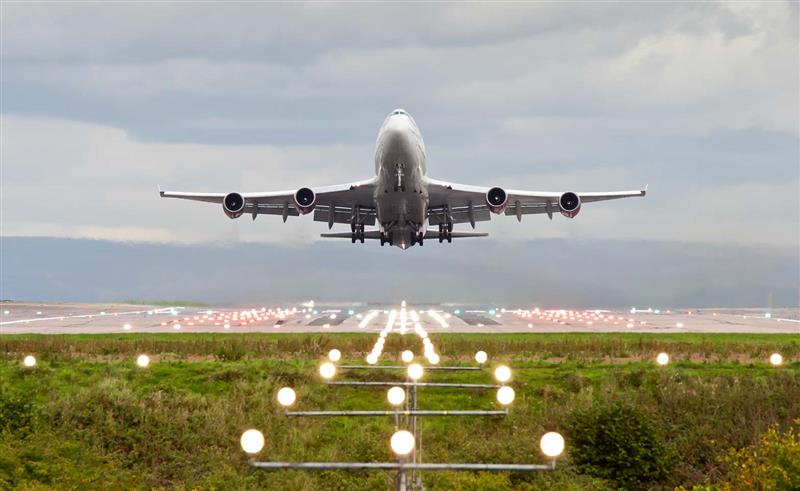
101	103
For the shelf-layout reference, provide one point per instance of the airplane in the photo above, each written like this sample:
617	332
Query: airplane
401	199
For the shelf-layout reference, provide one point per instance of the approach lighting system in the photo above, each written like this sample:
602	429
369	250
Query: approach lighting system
143	361
662	359
481	357
402	442
327	370
776	359
552	444
396	396
415	371
286	396
252	441
505	395
127	327
502	373
29	361
334	355
407	356
372	358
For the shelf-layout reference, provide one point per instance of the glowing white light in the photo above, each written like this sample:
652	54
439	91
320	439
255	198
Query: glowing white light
29	361
407	356
505	395
402	442
127	327
481	357
334	355
6	312
662	359
143	361
552	444
226	326
252	441
415	371
286	396
372	358
434	359
679	324
396	396
176	326
327	370
776	359
502	373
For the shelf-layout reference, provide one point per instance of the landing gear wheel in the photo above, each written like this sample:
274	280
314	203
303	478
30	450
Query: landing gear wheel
421	239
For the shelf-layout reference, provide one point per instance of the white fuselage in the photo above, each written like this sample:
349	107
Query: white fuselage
401	196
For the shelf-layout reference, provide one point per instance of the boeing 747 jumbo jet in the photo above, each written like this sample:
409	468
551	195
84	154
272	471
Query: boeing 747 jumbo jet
401	199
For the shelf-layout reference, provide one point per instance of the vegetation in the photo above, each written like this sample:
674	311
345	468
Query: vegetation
718	417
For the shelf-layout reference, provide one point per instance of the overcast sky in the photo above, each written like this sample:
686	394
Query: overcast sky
103	102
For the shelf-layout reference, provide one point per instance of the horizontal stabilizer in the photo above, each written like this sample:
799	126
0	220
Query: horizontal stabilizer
375	234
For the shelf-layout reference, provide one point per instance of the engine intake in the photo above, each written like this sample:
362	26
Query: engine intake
233	205
497	200
304	200
570	204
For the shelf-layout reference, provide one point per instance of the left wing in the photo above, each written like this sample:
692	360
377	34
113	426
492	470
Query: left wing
332	204
465	203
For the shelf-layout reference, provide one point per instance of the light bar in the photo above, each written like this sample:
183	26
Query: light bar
417	412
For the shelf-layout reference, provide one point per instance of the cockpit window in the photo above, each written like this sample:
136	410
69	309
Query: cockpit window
399	111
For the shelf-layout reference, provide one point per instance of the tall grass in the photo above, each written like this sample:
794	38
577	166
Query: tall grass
95	421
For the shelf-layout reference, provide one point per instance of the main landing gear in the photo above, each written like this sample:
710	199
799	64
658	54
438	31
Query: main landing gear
418	238
357	230
386	239
445	232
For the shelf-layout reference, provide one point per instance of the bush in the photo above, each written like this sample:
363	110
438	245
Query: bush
773	463
617	442
16	412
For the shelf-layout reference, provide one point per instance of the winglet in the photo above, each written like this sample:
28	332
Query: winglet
644	193
160	192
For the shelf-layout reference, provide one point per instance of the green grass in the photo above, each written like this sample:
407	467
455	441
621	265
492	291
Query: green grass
97	421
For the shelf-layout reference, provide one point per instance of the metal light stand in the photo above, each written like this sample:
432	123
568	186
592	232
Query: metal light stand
405	418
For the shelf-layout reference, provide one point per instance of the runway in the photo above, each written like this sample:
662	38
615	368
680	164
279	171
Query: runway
74	318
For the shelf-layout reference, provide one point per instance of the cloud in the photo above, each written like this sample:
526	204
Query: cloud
103	102
534	272
98	182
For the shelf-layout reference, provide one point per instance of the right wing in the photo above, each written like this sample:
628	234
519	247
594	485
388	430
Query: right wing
467	204
342	200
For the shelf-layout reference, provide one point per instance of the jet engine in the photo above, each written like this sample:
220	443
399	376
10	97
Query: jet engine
233	205
570	204
496	200
304	200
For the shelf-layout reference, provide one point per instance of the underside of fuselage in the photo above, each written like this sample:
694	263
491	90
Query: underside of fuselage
401	197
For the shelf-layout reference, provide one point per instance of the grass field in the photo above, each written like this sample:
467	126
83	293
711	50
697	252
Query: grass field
86	417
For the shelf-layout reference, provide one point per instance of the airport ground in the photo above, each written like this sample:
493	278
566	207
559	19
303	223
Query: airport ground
87	417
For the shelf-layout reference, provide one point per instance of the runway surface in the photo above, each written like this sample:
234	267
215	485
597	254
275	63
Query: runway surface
68	318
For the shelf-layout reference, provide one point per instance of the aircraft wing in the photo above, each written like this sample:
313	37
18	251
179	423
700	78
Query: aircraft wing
333	204
467	203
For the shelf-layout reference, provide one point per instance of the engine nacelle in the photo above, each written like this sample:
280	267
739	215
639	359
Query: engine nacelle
570	204
233	205
497	200
304	200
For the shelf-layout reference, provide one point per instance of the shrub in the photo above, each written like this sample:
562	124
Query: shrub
773	463
617	442
16	413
